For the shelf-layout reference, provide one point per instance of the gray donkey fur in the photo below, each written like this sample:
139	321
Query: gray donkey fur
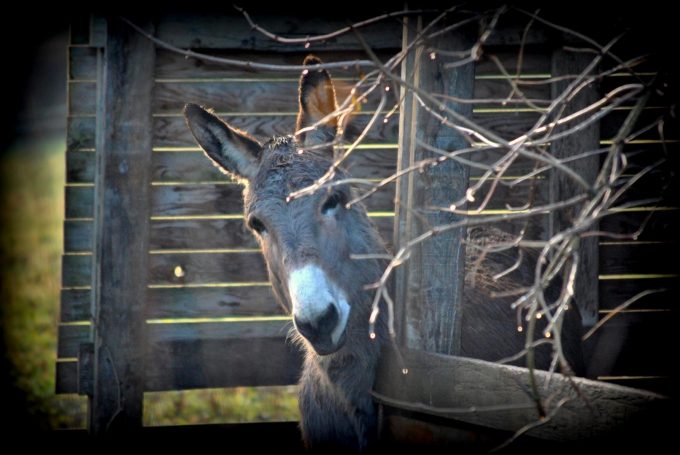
336	406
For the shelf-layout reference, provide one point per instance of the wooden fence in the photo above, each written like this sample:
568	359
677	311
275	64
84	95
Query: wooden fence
164	289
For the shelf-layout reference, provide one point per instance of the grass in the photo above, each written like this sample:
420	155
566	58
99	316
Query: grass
32	179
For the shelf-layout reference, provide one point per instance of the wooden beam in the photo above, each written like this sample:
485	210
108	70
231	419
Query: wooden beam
121	228
430	288
459	389
562	187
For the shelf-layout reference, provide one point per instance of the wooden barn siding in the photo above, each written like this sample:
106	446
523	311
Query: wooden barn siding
178	80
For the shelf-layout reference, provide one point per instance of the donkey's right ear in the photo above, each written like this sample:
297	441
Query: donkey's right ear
233	151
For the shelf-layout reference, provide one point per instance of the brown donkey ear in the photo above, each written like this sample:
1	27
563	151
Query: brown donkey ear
233	151
317	100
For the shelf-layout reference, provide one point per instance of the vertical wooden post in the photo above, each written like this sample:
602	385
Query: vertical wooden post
430	288
124	130
562	187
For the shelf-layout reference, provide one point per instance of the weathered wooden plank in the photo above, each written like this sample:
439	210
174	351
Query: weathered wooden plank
615	292
121	229
612	122
218	234
203	199
82	98
80	133
493	395
80	167
226	199
562	187
639	258
78	236
653	225
76	271
173	303
75	305
82	63
69	339
79	202
249	96
633	344
171	65
207	268
170	303
221	355
281	95
193	166
67	377
234	32
435	271
214	354
233	362
173	132
200	234
196	199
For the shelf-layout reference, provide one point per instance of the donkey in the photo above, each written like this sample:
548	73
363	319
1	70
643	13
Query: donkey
307	244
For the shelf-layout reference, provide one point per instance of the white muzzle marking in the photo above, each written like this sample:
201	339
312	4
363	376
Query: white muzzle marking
311	292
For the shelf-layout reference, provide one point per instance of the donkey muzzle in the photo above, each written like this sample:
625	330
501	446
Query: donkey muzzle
320	308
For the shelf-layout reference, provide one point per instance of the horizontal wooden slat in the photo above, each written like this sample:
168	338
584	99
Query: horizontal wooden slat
76	271
220	302
249	96
234	362
171	65
661	225
234	32
218	234
75	305
193	166
200	234
438	385
174	303
215	354
174	66
79	202
634	344
637	258
207	268
80	133
615	292
82	63
80	167
82	98
187	200
77	236
70	338
67	377
173	131
282	95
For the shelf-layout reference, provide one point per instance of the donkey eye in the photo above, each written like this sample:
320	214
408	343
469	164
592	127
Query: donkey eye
331	203
257	225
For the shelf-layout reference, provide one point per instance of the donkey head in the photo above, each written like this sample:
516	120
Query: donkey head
307	241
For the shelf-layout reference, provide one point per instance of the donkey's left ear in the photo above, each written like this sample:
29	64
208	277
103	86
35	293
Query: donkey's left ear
233	151
317	100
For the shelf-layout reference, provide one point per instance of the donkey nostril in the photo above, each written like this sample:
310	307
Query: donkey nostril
323	325
306	329
327	322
